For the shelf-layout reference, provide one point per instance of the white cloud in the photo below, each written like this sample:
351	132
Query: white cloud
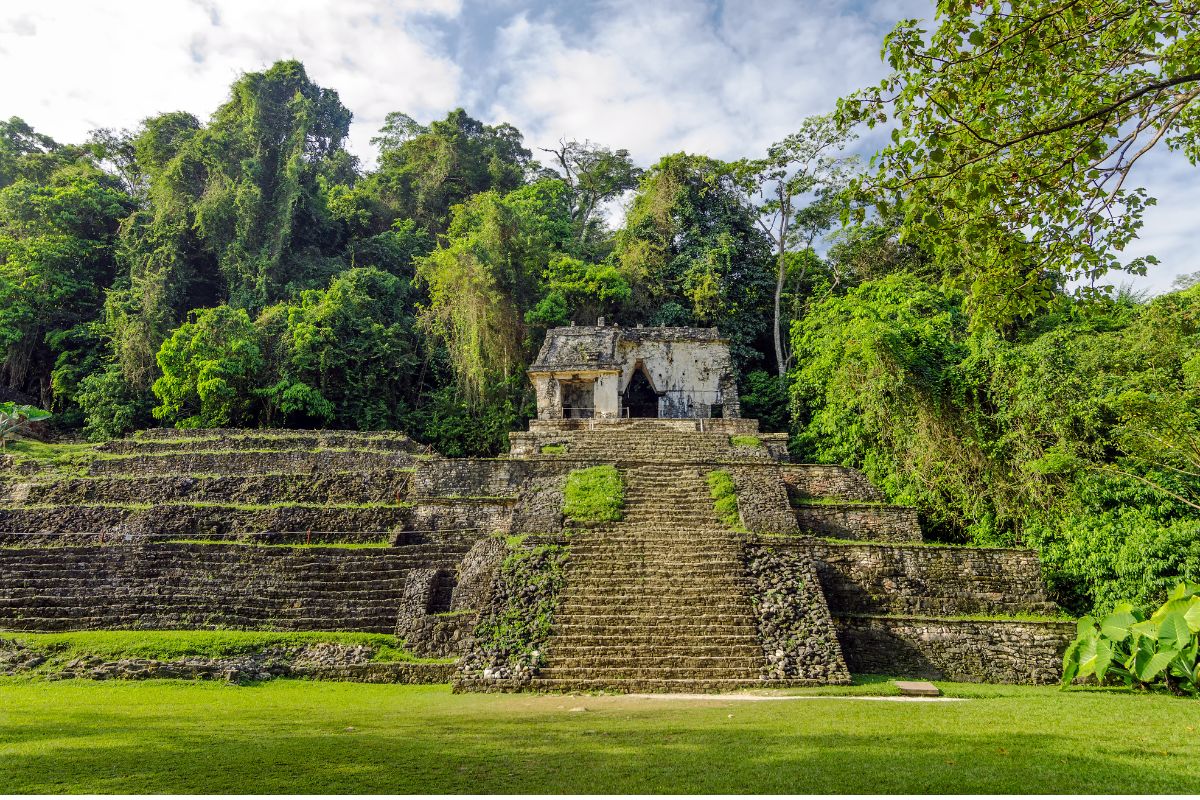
89	65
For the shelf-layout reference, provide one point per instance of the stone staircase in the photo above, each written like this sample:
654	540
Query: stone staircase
655	444
659	601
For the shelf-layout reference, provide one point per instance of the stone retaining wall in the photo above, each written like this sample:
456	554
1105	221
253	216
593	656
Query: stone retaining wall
376	486
317	462
763	500
200	521
871	523
829	480
174	586
956	650
794	625
929	581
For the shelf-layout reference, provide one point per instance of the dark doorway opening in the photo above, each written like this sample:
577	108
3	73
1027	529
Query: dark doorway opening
640	397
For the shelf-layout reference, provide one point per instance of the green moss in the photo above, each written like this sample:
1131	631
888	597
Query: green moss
554	449
725	502
595	494
745	441
64	459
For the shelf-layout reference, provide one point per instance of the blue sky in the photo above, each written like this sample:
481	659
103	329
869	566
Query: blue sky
659	76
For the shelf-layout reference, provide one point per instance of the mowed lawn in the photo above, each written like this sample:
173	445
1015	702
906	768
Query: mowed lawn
308	737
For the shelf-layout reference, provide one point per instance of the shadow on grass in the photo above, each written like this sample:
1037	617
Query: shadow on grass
254	740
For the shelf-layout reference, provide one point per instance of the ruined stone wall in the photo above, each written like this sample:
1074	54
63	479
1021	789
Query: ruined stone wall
356	524
929	581
763	500
829	480
957	650
170	586
793	620
869	523
251	462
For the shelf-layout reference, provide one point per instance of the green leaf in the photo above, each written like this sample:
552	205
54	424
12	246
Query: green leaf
1192	615
1116	625
1147	665
1173	632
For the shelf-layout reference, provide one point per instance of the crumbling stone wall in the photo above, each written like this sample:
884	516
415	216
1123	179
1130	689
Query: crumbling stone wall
957	650
763	500
250	462
871	523
794	625
828	480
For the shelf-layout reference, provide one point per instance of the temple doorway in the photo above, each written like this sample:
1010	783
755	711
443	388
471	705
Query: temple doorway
579	399
640	397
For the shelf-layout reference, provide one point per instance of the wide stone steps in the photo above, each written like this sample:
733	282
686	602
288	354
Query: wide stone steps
371	486
663	666
653	671
242	462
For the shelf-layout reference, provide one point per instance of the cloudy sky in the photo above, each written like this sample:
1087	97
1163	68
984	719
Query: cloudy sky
653	76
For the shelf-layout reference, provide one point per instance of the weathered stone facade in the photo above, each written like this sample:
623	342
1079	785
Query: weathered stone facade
607	373
872	523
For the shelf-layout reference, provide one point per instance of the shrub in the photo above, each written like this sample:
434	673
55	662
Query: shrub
725	502
1162	650
595	494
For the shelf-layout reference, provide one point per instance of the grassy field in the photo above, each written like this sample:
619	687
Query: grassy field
292	736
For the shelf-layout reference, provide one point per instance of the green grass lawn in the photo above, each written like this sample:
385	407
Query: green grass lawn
302	737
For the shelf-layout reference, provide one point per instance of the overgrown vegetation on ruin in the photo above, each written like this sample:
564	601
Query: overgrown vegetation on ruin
594	494
725	500
513	628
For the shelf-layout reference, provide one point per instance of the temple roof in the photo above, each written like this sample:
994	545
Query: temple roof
594	347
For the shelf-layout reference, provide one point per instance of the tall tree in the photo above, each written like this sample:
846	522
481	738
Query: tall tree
1017	128
595	175
693	254
425	170
797	185
484	278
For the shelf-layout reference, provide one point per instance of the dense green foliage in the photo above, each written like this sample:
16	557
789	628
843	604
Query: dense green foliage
594	494
1017	126
1139	650
1077	437
303	737
16	418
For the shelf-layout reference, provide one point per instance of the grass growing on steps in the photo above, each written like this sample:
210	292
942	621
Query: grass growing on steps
554	449
595	494
745	441
725	502
312	737
169	645
68	458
